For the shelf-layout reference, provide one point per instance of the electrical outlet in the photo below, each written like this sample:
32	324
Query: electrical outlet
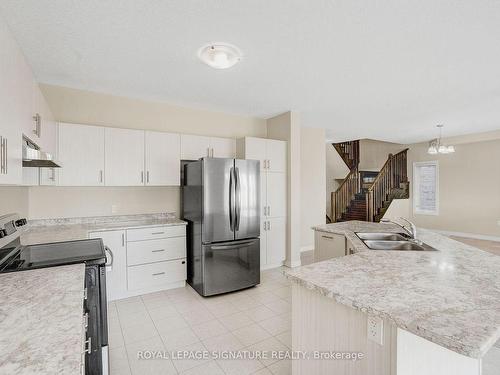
375	330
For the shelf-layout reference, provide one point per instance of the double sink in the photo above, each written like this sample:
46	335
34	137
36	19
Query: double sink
391	241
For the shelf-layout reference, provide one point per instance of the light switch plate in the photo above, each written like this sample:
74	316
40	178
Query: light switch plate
375	330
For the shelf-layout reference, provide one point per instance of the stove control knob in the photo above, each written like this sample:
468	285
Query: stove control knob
3	233
20	222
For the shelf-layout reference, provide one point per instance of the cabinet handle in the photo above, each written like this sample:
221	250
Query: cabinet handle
2	156
157	251
208	151
327	237
88	349
85	293
6	160
268	164
212	152
268	210
268	225
265	210
53	178
123	239
155	233
142	177
86	320
101	176
158	274
147	177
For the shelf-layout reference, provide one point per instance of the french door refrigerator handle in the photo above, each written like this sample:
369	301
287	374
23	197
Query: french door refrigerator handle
232	245
237	198
231	199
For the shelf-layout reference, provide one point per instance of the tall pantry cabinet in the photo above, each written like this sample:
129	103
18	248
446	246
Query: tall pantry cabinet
272	155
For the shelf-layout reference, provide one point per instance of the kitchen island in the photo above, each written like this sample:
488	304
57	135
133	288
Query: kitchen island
437	312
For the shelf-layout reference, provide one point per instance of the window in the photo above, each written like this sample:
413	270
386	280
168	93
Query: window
426	188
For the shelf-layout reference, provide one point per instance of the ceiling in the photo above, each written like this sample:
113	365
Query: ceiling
388	70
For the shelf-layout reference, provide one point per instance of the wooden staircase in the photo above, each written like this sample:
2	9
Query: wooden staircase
353	200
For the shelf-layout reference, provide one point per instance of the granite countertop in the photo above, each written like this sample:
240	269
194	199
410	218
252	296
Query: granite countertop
450	297
57	230
41	315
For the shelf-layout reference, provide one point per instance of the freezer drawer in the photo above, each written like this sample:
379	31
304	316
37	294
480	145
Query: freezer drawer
230	266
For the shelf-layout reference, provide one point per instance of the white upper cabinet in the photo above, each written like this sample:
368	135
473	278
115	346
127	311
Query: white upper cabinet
253	149
124	157
162	159
271	153
194	147
81	155
222	147
276	155
15	106
276	194
43	131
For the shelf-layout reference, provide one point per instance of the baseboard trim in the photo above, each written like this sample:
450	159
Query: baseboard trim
306	248
294	264
467	235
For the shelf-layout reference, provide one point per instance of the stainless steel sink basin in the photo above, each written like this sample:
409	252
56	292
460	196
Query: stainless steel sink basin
381	236
396	245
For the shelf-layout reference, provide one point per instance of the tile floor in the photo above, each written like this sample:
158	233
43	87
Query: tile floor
179	319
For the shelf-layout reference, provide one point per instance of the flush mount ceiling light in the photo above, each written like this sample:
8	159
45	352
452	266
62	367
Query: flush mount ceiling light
436	147
219	55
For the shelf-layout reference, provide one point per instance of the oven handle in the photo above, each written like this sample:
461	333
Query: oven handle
232	245
109	261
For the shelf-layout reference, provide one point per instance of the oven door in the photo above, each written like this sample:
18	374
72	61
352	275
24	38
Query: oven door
95	305
230	266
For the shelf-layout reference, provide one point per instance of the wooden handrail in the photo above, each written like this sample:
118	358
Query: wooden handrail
349	152
392	174
342	197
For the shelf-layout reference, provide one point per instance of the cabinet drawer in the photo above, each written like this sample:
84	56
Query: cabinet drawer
141	252
153	233
154	274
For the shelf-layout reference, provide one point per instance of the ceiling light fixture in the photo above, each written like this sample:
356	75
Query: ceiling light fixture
219	55
435	146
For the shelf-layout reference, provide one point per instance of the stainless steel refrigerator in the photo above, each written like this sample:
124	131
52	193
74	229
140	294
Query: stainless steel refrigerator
221	203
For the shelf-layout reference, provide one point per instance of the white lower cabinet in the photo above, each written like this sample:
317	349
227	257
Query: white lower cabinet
116	273
272	242
328	245
145	260
141	252
154	275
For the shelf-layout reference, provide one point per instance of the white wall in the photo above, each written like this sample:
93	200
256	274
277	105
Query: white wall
54	202
286	127
312	182
469	185
14	199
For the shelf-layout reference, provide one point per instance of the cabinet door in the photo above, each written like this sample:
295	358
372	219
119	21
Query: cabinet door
255	149
276	155
222	147
276	240
328	246
194	147
116	273
124	157
45	134
276	194
263	244
163	151
81	154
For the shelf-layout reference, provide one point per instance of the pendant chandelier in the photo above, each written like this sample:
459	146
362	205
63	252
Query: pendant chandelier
437	147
